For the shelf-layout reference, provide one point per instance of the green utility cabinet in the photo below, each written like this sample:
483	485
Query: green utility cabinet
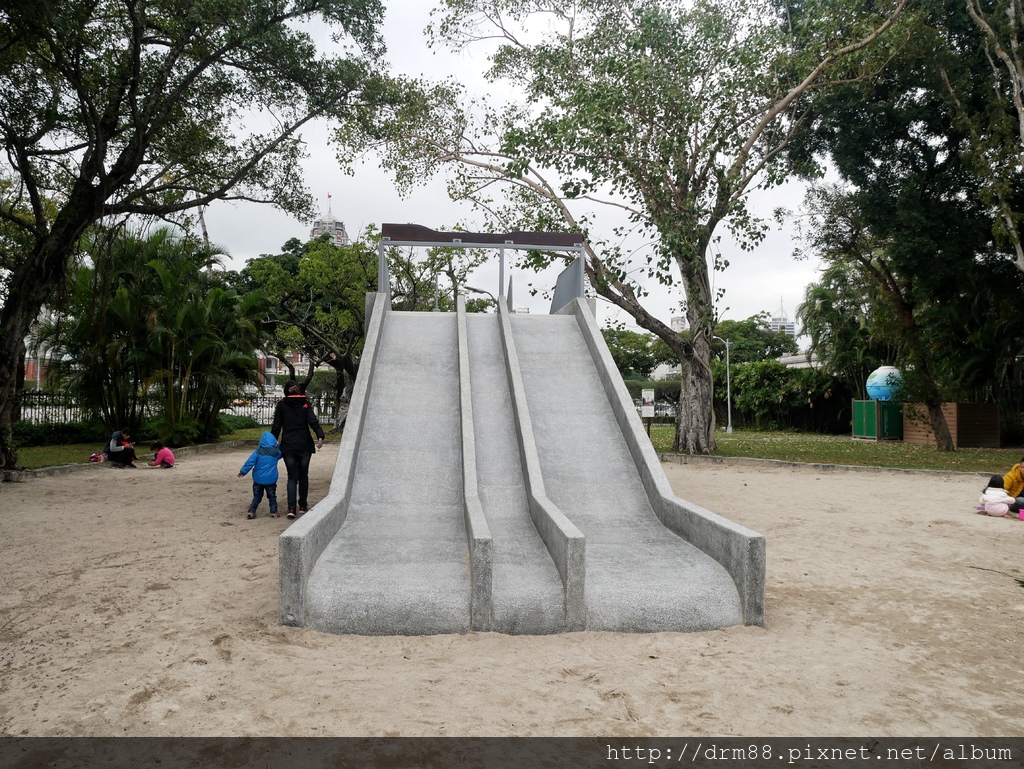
878	420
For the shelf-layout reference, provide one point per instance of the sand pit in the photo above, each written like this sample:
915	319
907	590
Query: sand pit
143	603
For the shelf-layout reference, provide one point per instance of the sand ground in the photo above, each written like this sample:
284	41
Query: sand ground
142	603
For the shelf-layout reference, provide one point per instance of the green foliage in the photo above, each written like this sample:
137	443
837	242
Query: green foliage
27	434
912	268
316	294
792	446
768	395
111	109
991	110
636	354
668	111
665	390
230	423
147	319
324	382
752	340
844	321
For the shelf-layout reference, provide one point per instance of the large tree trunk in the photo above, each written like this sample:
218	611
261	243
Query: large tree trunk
40	277
695	416
9	414
21	307
695	420
940	429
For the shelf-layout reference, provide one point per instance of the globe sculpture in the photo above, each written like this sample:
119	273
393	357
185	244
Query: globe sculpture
883	383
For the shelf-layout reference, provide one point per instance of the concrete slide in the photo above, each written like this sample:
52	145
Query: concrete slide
494	476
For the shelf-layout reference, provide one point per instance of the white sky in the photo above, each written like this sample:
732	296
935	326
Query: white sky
755	281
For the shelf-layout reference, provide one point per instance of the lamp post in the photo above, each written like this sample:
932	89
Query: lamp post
728	385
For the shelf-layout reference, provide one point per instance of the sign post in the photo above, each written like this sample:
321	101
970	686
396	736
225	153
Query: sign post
647	408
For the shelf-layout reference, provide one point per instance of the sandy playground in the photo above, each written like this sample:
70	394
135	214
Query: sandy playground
143	603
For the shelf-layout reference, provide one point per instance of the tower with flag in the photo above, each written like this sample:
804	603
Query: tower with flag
330	226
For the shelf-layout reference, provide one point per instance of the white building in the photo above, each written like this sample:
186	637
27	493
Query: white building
781	322
330	225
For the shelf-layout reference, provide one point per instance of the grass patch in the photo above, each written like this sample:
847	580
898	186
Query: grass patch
35	457
788	446
844	450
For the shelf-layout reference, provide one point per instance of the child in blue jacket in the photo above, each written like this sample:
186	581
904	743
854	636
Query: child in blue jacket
263	463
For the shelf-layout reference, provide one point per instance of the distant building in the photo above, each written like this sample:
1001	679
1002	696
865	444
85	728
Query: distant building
800	360
330	225
678	324
781	322
272	367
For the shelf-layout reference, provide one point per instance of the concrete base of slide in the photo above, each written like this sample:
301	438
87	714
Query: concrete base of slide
494	475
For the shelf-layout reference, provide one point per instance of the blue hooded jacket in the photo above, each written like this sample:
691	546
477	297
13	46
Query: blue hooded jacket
263	461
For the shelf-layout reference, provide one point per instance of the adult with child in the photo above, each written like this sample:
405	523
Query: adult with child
293	420
120	449
263	463
1013	484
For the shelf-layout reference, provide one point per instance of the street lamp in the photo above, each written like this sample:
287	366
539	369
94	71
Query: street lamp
728	385
483	291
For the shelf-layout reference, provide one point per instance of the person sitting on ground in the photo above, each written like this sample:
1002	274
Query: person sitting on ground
1013	484
121	449
994	499
163	457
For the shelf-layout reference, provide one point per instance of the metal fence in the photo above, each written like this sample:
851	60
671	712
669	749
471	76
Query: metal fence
46	408
43	408
261	407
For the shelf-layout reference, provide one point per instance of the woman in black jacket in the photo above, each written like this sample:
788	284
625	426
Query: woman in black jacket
293	419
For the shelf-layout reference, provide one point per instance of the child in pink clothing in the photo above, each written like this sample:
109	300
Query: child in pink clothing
994	499
164	456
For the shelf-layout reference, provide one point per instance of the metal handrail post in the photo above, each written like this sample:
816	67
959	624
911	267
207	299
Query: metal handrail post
728	388
383	282
728	384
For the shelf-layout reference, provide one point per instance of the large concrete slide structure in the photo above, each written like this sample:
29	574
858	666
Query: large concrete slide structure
494	476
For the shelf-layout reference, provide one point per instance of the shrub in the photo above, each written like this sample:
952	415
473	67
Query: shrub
230	423
26	434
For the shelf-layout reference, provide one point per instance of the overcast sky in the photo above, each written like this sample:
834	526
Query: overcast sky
762	280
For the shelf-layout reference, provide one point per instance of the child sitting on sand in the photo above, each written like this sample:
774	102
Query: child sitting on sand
164	457
263	463
994	499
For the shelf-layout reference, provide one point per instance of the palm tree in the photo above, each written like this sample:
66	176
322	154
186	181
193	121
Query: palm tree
146	320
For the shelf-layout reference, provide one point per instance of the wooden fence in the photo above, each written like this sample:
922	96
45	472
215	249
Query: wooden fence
972	425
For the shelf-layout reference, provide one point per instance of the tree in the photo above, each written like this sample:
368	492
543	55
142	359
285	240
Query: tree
317	293
145	320
752	340
636	354
840	315
910	215
671	112
116	108
317	296
998	125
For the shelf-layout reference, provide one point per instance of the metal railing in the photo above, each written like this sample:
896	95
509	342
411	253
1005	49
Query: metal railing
48	408
416	235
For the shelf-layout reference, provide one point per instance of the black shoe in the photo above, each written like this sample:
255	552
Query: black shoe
303	509
291	512
251	514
